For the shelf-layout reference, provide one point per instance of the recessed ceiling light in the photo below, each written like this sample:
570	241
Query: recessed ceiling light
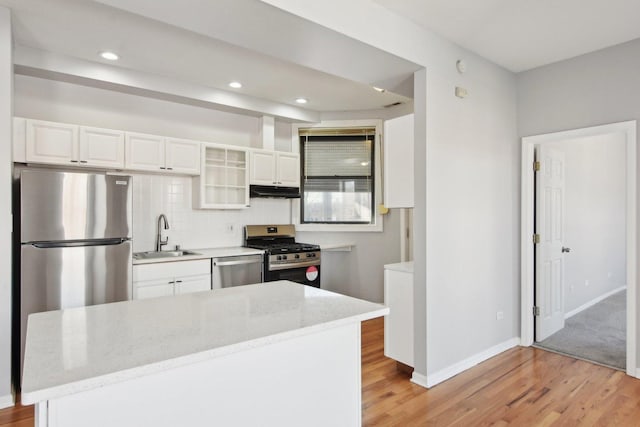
111	56
235	85
301	100
379	89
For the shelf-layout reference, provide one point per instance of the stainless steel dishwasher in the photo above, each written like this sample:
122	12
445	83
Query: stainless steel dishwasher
236	270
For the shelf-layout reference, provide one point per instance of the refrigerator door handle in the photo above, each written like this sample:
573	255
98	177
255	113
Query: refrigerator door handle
78	243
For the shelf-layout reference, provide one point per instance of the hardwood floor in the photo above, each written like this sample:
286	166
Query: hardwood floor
520	387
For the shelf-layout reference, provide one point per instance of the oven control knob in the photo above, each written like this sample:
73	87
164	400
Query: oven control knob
284	257
279	258
297	256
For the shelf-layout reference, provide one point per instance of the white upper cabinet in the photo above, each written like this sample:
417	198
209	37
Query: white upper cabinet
398	162
50	142
224	177
160	154
263	167
101	147
275	168
66	144
288	168
144	152
182	156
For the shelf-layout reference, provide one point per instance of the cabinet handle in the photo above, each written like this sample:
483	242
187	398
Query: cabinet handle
162	167
178	281
83	161
172	282
169	169
73	161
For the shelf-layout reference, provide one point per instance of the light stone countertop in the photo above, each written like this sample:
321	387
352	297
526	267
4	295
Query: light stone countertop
204	254
70	351
406	267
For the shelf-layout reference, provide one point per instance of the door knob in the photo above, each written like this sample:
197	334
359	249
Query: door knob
566	250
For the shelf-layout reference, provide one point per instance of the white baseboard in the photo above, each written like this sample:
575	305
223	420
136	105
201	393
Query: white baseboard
419	379
6	401
593	302
455	369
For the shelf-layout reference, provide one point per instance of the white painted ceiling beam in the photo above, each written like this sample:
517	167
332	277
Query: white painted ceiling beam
38	63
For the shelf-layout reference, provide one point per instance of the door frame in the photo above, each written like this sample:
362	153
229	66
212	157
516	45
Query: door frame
527	266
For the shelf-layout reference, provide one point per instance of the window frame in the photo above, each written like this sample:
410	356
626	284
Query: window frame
377	224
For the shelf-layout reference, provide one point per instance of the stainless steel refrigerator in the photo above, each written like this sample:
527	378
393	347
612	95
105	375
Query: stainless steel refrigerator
75	241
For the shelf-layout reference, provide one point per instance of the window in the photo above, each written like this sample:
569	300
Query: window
338	176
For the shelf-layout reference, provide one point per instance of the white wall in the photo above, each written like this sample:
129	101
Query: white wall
470	192
359	273
193	228
6	97
593	89
595	207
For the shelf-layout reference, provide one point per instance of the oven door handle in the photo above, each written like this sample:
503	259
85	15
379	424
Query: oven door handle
226	263
274	267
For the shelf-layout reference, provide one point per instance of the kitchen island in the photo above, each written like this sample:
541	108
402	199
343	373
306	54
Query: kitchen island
277	353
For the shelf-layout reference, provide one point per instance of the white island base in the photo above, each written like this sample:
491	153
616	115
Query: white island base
283	355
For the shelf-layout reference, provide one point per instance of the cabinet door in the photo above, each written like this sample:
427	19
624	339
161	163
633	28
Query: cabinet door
263	168
185	285
144	152
288	167
153	288
224	178
398	324
50	142
398	162
101	147
182	156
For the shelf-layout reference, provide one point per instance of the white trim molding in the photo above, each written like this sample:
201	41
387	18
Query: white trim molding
453	370
593	302
527	226
7	401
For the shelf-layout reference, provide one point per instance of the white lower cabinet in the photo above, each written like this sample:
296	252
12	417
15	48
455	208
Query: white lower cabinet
192	284
171	278
398	324
153	288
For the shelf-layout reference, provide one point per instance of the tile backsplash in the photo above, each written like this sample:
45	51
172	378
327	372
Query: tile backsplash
193	228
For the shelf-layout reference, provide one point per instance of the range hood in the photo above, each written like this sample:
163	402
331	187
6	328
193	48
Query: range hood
274	192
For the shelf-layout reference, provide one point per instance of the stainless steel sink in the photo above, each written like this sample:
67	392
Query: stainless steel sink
162	254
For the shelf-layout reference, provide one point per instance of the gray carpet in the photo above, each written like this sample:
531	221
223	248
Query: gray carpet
597	333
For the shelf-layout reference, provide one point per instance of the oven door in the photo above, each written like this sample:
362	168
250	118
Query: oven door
309	275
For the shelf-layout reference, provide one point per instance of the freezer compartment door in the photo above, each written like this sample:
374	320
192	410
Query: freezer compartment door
56	206
66	277
56	278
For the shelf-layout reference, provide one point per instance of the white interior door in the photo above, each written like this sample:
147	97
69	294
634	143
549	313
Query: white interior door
549	252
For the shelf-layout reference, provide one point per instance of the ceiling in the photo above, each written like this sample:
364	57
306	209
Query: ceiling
80	29
524	34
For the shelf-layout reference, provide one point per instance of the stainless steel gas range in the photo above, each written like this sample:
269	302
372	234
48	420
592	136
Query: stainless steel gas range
285	259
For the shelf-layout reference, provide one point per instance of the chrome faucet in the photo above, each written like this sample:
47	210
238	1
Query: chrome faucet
159	242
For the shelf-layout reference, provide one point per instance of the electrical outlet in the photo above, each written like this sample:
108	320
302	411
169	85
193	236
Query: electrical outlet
499	315
229	228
